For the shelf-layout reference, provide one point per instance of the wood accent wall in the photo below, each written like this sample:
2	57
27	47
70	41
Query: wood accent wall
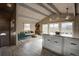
4	28
7	15
12	40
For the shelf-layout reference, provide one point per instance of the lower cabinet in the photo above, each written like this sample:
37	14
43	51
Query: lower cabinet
62	45
71	52
71	43
71	46
54	45
56	49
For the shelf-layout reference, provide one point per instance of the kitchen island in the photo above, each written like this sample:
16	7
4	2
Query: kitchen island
62	45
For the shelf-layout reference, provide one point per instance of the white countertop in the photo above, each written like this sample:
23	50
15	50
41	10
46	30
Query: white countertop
69	36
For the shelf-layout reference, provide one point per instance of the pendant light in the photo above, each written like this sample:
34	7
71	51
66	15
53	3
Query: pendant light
67	16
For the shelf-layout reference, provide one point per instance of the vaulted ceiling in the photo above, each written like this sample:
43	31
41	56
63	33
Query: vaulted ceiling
34	12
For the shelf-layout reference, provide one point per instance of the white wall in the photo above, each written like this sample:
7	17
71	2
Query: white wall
20	27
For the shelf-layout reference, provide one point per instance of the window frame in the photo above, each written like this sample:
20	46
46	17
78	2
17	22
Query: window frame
53	27
24	27
72	28
47	29
60	27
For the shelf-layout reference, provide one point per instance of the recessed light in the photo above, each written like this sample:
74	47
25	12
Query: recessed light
9	5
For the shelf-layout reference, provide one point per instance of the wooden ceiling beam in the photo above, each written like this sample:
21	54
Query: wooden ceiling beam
40	4
53	7
32	9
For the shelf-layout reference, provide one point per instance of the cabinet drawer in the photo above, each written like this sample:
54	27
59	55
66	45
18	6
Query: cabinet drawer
71	52
56	37
56	49
72	43
57	41
52	47
48	39
45	36
47	43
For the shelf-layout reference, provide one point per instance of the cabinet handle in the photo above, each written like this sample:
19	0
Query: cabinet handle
72	54
73	44
48	39
55	41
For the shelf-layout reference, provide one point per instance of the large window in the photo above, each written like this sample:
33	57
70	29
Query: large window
54	27
26	27
45	28
67	28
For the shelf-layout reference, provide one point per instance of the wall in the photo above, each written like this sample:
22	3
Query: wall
75	24
20	26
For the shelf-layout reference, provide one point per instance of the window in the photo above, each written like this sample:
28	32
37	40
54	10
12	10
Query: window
53	28
26	27
45	28
66	28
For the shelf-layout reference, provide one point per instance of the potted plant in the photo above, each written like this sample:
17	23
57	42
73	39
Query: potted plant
57	33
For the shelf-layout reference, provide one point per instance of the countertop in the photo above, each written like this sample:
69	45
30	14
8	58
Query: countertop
63	36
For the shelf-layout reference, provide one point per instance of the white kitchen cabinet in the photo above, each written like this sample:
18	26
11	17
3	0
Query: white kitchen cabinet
54	45
71	43
71	52
62	45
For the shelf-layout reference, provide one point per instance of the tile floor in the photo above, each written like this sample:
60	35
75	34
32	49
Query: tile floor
27	47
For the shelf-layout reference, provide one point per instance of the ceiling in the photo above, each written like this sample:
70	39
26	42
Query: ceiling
35	12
